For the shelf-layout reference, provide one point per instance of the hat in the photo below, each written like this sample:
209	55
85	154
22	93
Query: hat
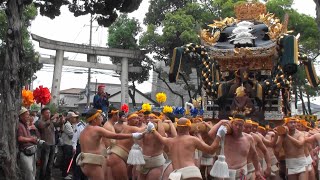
101	86
71	114
23	110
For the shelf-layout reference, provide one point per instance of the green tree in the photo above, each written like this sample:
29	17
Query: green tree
30	56
13	66
122	34
318	16
309	42
159	8
179	27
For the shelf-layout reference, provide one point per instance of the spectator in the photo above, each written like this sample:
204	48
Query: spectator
46	127
27	146
67	135
101	100
77	173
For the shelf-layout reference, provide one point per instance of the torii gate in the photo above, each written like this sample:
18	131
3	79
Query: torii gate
92	53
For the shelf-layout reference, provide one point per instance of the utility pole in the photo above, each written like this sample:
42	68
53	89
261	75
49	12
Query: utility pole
89	69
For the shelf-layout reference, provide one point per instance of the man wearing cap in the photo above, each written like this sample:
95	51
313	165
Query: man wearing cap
244	145
293	145
91	160
80	125
67	135
27	146
100	100
182	149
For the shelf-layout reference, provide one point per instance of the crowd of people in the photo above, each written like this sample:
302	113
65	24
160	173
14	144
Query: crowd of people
171	148
147	145
45	139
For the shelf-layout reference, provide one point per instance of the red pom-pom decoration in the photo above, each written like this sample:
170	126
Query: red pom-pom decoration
42	95
125	108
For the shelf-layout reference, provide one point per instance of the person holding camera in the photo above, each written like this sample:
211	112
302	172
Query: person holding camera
27	146
46	127
101	100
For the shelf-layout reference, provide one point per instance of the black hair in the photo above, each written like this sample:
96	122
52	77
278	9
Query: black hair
121	113
91	112
44	109
171	116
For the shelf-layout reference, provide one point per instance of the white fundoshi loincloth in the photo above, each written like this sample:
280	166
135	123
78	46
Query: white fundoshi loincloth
152	162
89	158
235	174
185	173
207	159
296	165
309	163
251	170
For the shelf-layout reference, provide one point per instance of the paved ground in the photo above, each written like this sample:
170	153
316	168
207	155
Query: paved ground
56	174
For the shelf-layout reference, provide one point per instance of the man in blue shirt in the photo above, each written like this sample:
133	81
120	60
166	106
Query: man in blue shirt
100	100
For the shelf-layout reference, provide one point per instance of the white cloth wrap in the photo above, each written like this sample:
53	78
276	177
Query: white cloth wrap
185	173
309	163
251	170
207	159
237	174
296	165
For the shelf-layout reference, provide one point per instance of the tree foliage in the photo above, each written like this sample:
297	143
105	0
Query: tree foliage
123	34
178	27
105	11
30	64
14	67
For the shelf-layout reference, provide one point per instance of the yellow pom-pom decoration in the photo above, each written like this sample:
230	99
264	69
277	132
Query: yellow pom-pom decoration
161	97
146	107
167	109
27	98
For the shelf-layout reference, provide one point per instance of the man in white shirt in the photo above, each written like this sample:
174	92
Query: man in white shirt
80	125
67	135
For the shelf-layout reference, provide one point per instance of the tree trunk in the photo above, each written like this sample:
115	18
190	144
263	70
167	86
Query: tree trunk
133	95
173	92
318	13
10	91
302	101
308	103
189	92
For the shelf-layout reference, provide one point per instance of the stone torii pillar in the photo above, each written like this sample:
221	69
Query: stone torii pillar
56	80
58	62
124	81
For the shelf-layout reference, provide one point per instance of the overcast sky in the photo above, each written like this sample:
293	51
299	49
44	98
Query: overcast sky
67	28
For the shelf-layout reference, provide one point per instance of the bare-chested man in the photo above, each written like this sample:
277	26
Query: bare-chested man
120	151
206	160
118	126
238	146
270	138
152	152
113	117
263	153
182	149
91	159
293	146
315	138
303	127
